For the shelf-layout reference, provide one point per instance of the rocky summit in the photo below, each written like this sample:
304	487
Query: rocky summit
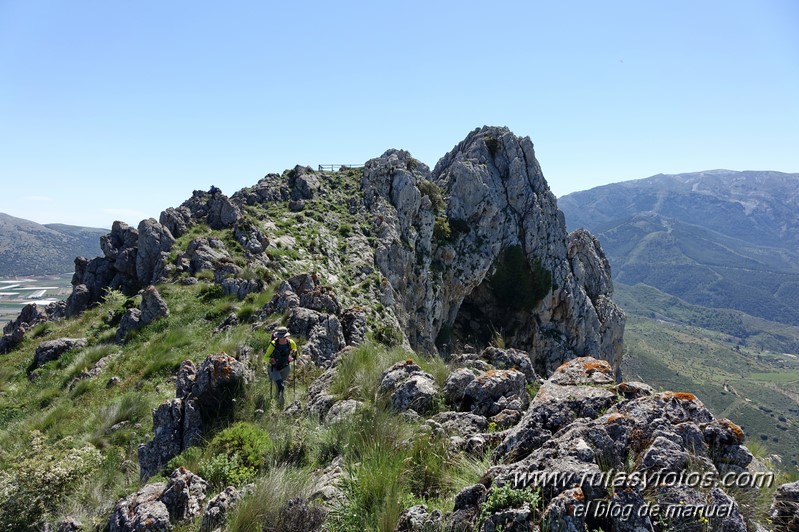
458	369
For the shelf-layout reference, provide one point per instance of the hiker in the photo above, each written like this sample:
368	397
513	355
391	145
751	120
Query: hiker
280	353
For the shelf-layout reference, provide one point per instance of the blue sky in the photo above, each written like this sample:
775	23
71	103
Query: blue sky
117	110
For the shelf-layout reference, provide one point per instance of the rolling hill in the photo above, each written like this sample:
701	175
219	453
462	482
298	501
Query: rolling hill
720	239
29	248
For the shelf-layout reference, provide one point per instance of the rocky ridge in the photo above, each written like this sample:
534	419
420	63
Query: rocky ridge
449	261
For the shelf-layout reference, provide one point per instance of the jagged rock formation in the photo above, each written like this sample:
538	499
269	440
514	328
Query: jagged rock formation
160	505
202	393
582	427
494	256
475	248
30	316
152	308
785	509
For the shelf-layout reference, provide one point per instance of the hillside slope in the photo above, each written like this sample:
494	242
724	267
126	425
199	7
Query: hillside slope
720	239
28	248
443	318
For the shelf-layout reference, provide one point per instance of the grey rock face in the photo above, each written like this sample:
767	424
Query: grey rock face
203	393
142	511
241	287
218	509
154	238
184	494
483	396
499	214
580	426
785	508
455	386
156	507
408	387
203	254
78	300
30	316
324	332
353	320
53	349
176	221
152	308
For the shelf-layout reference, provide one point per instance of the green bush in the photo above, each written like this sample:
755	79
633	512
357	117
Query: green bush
235	455
249	442
36	484
441	230
505	497
432	191
222	470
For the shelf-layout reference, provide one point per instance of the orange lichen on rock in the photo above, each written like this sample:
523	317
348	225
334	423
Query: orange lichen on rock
409	361
735	429
615	417
600	366
682	396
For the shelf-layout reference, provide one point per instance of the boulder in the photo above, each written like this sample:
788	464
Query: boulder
176	220
218	509
203	393
222	212
240	288
131	321
153	306
183	495
324	332
455	386
484	395
53	349
408	387
142	511
158	506
785	508
510	359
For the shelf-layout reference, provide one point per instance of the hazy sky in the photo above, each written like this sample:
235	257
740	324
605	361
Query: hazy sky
117	110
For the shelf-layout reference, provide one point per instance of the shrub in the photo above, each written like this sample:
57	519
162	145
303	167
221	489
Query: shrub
37	483
441	230
387	335
249	442
432	191
504	497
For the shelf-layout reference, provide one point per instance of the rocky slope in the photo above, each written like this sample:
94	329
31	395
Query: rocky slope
28	248
376	272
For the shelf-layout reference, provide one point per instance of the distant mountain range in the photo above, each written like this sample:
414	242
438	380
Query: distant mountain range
719	238
28	248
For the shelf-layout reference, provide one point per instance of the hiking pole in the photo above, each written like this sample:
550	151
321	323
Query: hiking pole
269	374
294	379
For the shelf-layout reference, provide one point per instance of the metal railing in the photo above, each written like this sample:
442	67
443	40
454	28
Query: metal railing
338	167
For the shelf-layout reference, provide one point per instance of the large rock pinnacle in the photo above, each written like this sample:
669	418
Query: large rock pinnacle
478	248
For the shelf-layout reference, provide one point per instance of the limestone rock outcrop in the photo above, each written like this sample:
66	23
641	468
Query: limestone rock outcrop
132	259
408	387
478	247
160	505
152	308
53	349
30	316
202	393
582	433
